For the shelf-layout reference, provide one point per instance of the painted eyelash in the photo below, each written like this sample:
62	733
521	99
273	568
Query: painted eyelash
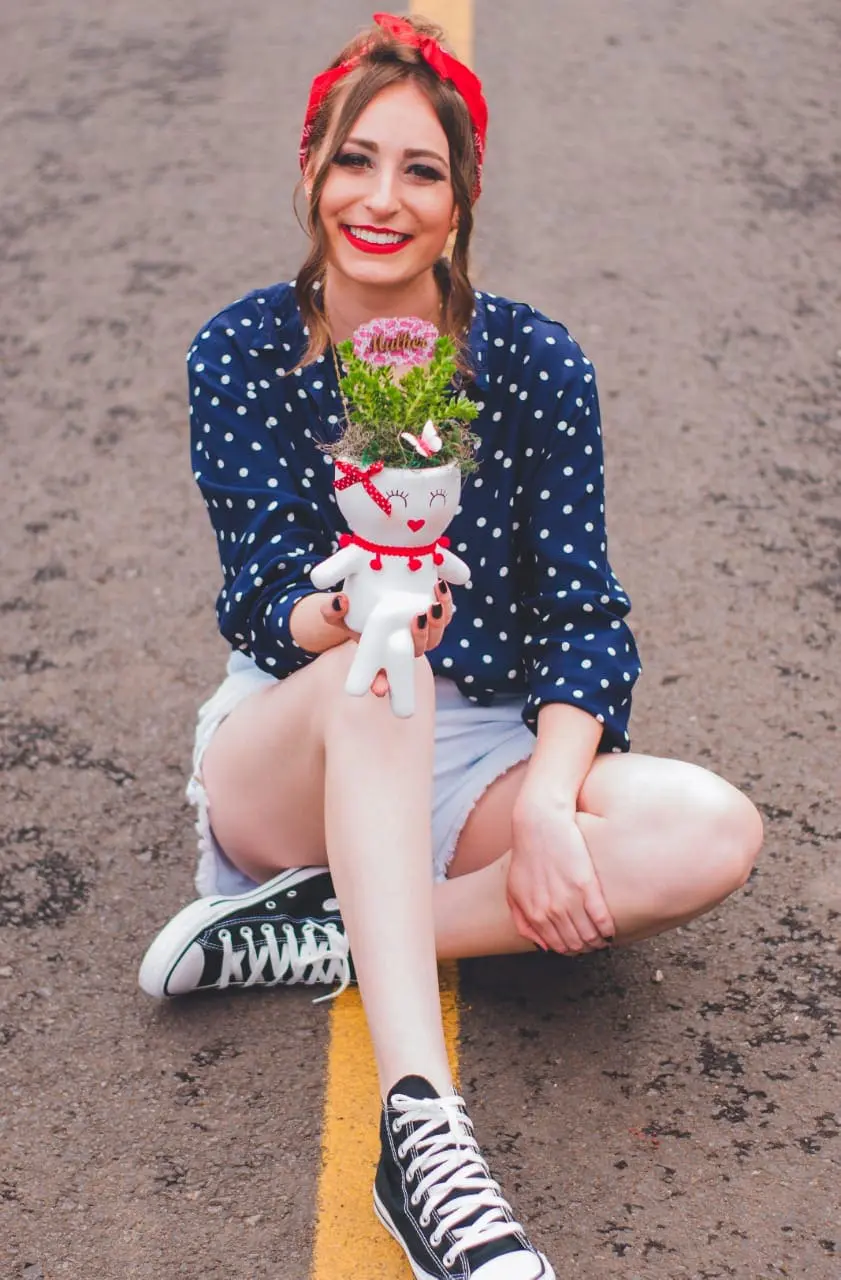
398	493
437	493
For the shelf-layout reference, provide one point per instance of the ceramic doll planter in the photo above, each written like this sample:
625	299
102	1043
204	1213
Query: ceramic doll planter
398	488
390	564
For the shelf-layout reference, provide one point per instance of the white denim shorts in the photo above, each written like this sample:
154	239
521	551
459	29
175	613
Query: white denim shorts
473	746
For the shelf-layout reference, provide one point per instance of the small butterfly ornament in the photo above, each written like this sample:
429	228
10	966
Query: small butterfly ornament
427	443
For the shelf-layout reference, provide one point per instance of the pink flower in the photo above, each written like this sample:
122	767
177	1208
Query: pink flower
407	340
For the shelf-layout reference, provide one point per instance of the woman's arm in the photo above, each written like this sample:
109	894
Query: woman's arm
581	660
269	537
578	649
567	742
553	890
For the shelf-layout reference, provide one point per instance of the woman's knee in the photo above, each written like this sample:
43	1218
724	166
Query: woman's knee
334	666
723	828
331	666
742	834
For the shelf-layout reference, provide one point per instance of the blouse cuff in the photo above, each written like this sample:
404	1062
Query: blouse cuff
283	654
613	716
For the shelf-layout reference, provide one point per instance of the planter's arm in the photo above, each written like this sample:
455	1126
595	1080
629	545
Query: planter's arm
453	569
337	566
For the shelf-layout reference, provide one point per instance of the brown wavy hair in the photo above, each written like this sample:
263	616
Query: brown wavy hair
384	61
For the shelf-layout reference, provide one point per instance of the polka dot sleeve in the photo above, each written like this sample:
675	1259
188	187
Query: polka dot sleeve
577	649
268	535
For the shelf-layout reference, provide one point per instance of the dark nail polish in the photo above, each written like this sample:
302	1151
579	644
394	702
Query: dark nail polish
337	604
437	611
442	587
421	621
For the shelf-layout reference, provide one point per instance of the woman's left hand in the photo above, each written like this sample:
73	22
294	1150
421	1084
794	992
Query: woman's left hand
428	636
553	889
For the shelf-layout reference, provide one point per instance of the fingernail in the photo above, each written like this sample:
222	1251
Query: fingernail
421	621
337	603
442	587
437	611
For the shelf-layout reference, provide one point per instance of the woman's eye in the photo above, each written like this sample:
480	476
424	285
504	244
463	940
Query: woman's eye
351	160
426	172
395	493
439	493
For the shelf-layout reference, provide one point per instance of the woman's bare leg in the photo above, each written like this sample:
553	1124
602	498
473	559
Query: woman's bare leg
304	768
669	840
377	805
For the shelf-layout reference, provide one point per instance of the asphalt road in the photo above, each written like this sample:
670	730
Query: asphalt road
666	178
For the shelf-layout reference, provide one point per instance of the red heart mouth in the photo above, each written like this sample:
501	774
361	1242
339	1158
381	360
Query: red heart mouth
414	525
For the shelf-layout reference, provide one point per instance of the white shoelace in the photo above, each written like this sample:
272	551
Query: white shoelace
323	950
449	1162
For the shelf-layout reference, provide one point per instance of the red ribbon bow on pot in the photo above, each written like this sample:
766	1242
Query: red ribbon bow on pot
355	475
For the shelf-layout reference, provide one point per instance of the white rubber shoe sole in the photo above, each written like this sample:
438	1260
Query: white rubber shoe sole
509	1266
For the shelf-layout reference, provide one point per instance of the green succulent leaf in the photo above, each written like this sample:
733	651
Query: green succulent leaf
381	408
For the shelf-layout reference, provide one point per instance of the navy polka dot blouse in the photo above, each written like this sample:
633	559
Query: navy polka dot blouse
543	615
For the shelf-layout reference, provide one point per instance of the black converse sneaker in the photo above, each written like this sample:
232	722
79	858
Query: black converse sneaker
286	931
434	1193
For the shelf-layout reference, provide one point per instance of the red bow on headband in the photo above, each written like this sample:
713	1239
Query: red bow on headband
442	63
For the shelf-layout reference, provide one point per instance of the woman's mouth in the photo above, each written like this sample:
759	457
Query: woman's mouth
372	240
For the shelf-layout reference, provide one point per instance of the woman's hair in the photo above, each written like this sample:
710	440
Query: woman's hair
384	61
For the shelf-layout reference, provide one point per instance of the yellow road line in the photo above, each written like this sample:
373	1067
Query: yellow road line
349	1242
456	17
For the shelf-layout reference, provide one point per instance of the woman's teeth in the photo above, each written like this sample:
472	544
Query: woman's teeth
377	237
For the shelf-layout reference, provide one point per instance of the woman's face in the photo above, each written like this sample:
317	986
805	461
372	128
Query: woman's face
387	204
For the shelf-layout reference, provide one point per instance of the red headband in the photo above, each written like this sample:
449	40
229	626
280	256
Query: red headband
442	63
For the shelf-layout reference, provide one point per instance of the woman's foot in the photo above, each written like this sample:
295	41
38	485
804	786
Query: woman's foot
434	1193
286	931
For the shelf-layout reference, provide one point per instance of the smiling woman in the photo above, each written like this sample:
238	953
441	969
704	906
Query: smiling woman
392	166
325	819
384	199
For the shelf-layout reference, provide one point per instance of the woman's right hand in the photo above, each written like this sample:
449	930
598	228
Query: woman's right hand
427	628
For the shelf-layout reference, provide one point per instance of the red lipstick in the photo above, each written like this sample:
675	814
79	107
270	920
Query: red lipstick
367	247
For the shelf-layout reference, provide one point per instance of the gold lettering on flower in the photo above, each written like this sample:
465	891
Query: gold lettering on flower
401	342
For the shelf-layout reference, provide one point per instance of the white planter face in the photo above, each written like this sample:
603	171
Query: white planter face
423	502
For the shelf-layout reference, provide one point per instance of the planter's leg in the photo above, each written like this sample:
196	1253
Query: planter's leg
401	676
364	667
396	657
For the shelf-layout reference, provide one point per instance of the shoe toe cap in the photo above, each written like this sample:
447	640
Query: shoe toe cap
187	972
516	1266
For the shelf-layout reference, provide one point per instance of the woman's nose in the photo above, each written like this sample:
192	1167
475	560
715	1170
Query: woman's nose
382	196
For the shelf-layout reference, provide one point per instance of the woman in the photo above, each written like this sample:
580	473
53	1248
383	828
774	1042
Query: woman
514	777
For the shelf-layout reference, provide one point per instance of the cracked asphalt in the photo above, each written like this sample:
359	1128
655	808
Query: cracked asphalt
666	178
